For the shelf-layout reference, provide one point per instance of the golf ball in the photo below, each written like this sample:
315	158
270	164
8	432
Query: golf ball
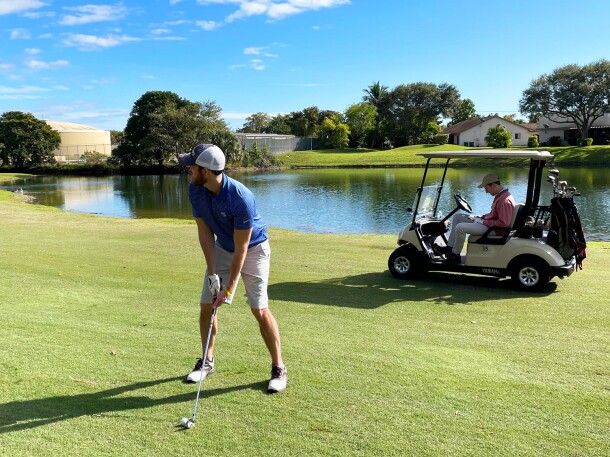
186	422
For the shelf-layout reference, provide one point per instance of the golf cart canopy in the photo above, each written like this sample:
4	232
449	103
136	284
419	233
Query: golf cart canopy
488	154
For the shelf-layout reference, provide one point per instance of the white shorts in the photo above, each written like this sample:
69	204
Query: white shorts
255	274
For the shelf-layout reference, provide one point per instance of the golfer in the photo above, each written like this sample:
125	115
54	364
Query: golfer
501	215
235	244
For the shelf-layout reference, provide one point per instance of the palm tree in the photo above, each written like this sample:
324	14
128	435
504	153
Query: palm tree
374	93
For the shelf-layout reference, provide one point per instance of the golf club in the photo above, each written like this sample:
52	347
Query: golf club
185	422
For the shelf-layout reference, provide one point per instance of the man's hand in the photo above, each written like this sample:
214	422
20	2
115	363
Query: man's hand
224	296
214	285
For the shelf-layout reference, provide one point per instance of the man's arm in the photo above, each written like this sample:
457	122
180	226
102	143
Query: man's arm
207	242
241	239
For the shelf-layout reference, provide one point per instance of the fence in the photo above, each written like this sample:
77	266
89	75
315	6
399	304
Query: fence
277	144
71	153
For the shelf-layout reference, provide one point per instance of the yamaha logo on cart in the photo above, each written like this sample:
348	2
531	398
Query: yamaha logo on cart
491	271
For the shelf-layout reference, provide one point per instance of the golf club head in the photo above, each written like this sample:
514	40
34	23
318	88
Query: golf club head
187	423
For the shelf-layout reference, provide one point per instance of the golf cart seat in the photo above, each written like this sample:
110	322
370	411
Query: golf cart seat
498	235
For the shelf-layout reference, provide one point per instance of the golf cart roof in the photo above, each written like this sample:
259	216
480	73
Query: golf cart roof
488	154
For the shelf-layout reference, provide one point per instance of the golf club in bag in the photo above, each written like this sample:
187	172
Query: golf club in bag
185	422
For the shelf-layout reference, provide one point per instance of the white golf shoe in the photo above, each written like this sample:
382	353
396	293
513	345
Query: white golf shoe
197	373
279	379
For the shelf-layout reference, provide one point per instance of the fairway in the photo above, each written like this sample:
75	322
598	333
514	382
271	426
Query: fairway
99	326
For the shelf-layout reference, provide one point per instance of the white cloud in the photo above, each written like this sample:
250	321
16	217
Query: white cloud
32	51
61	87
90	42
39	14
41	65
259	51
208	25
13	6
273	9
160	31
149	77
174	2
20	34
254	64
24	92
93	13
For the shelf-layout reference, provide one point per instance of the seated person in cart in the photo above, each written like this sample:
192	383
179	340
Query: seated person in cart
501	215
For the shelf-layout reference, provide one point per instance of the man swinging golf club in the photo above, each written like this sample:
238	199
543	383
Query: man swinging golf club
235	244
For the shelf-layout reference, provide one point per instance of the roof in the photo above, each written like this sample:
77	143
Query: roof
466	125
488	154
258	136
65	127
470	123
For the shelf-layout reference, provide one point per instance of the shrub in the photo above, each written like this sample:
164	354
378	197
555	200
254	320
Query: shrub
259	158
441	138
579	142
532	141
588	141
93	157
498	137
554	141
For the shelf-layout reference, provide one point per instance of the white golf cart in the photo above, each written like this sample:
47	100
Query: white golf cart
543	241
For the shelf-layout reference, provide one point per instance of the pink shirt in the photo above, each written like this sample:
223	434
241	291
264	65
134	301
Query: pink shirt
501	214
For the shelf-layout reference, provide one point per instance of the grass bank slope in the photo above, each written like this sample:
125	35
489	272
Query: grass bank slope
406	157
99	324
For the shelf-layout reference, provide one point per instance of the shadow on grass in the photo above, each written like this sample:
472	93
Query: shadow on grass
372	290
27	414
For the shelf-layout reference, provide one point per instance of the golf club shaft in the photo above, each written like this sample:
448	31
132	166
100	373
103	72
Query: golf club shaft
205	354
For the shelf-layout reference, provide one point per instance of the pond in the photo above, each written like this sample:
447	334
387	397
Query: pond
318	201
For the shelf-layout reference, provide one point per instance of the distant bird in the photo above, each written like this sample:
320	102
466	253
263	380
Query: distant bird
18	191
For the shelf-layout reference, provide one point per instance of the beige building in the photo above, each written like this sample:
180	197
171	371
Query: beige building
76	139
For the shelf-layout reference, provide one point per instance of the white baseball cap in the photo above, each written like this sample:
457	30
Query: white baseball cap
205	155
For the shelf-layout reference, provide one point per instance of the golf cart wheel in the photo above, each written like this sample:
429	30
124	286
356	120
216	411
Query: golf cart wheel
402	262
530	274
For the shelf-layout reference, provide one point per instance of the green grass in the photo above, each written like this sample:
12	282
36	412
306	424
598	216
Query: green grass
406	157
99	324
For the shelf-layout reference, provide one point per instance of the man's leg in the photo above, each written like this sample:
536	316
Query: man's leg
205	314
270	333
255	274
458	218
463	229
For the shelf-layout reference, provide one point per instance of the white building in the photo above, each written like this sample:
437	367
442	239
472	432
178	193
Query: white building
76	139
473	131
568	133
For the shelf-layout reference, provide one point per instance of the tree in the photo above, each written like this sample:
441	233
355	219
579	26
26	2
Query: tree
465	110
498	137
374	93
360	118
136	148
256	123
28	142
162	125
407	110
280	124
116	136
570	94
333	135
513	118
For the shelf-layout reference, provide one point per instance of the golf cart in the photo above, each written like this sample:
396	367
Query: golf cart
543	242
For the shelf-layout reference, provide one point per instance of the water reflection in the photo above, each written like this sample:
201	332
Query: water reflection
321	201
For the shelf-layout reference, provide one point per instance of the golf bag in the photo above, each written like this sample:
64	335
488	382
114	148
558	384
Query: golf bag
565	232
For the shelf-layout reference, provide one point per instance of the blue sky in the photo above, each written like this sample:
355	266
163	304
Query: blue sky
89	61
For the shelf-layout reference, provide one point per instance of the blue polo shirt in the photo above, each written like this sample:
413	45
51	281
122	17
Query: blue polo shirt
233	208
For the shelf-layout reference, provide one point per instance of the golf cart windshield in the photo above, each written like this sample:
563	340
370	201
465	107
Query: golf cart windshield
427	201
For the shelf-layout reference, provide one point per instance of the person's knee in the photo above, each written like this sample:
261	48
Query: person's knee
261	315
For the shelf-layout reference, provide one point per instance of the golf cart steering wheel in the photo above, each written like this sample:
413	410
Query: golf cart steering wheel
462	204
